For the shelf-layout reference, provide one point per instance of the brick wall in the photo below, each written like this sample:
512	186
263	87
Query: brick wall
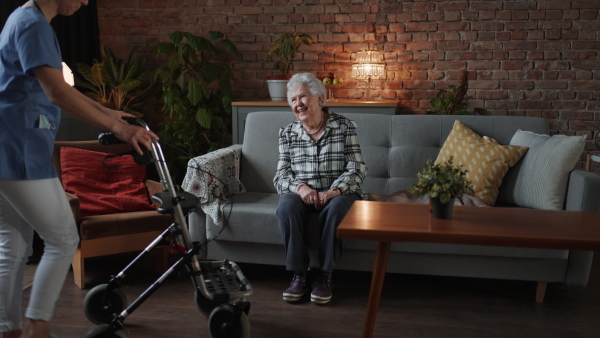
524	57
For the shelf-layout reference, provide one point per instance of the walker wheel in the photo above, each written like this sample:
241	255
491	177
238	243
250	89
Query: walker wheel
224	322
206	306
103	331
99	312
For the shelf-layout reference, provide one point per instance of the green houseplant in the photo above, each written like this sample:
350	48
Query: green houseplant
195	94
285	48
442	183
454	100
118	84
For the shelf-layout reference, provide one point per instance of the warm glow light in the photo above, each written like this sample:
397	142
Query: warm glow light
68	74
368	71
369	65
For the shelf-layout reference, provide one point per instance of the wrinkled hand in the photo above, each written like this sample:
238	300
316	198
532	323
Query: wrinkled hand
318	199
309	196
135	136
326	196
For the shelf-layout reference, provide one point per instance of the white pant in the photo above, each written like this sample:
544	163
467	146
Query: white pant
25	206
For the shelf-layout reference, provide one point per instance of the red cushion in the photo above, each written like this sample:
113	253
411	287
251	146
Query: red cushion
100	190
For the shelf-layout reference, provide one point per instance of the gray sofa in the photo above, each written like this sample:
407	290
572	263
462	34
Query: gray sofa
395	149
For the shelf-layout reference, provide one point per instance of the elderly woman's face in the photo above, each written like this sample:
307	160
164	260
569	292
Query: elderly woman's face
305	105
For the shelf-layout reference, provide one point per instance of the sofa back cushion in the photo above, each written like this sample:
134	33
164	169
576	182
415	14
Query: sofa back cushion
394	147
261	149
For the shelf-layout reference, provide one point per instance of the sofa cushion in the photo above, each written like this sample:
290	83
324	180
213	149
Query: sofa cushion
484	158
101	190
540	179
253	219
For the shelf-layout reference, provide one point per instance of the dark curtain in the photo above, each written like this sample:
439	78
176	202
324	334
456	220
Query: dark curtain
78	34
7	7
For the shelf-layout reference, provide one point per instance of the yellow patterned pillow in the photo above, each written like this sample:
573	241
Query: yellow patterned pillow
486	160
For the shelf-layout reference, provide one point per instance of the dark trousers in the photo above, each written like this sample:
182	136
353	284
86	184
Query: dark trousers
292	213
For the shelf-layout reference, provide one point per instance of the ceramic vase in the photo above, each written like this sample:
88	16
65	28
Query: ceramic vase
277	89
441	210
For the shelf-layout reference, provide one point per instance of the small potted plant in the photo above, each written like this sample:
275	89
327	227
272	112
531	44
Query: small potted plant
454	100
285	48
442	183
117	84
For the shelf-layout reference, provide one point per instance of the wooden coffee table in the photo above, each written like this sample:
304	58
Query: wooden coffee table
397	222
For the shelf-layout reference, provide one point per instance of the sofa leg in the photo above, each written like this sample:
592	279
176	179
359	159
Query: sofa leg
540	292
78	270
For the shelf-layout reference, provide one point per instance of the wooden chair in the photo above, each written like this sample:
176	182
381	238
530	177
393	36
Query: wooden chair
102	235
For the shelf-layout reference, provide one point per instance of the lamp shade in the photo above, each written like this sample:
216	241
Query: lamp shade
369	65
368	71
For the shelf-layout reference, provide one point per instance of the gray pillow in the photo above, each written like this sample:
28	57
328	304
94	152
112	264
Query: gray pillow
539	180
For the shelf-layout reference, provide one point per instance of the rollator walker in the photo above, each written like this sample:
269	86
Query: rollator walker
220	288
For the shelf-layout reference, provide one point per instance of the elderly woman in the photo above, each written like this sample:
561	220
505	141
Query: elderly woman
320	170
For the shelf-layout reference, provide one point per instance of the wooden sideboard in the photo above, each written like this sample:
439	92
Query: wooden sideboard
241	109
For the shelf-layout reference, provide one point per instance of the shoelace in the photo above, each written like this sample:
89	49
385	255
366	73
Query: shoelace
324	278
298	277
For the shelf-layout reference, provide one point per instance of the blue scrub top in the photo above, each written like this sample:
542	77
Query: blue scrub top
28	121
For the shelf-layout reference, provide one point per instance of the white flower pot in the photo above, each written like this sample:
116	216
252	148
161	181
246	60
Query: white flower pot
278	89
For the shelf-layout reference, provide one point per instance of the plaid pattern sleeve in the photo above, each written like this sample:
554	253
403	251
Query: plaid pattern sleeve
334	161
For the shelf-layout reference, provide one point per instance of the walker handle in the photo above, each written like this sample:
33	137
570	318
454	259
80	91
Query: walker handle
109	138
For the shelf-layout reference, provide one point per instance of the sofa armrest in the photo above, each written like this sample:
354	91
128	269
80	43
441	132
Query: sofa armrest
75	206
583	191
213	178
153	188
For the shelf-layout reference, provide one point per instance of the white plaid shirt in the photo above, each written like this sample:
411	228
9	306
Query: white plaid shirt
333	162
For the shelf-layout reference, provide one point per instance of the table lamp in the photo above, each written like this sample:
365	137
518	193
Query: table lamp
369	66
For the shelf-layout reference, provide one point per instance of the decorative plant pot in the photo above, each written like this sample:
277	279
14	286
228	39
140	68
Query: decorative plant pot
277	89
278	86
441	210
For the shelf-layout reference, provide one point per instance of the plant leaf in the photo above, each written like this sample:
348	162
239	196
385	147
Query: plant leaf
176	37
164	48
230	47
203	118
194	94
214	35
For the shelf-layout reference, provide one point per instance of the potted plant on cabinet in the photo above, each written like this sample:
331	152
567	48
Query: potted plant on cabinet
442	182
195	94
285	48
454	100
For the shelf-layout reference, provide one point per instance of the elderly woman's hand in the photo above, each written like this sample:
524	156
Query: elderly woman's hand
308	195
326	196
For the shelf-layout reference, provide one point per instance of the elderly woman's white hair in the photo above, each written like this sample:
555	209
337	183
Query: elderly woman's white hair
315	86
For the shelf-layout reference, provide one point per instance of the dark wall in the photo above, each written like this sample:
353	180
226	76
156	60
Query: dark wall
78	34
7	7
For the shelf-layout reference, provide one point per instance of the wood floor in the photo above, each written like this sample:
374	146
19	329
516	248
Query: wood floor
412	306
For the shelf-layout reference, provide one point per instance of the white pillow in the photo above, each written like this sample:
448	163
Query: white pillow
540	179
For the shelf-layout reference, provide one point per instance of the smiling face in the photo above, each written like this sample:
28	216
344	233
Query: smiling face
305	105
